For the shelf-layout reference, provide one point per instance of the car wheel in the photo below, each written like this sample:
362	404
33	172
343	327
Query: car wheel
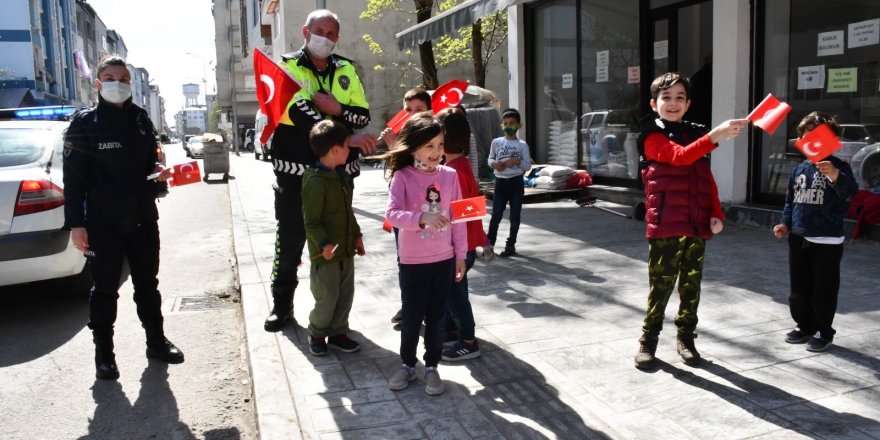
871	170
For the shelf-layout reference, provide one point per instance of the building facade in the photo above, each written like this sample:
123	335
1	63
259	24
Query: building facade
581	69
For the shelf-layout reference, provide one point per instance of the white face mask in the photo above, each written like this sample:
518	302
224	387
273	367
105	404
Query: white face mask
115	92
319	46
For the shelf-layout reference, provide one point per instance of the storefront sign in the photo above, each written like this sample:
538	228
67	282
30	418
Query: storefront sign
830	43
843	80
567	80
811	77
633	75
864	33
602	58
661	49
601	74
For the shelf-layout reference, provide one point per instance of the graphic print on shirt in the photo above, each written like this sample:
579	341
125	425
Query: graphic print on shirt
506	151
815	194
432	197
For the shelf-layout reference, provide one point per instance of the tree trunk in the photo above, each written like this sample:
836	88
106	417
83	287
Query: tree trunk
426	49
477	53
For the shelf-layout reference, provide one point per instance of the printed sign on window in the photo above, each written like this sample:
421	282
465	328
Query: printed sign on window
843	80
601	74
864	33
567	80
830	43
602	58
661	49
811	77
633	75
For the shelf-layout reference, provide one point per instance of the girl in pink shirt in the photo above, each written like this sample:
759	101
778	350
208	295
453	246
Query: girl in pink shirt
430	248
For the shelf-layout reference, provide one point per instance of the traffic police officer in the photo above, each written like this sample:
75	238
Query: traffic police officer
331	89
110	209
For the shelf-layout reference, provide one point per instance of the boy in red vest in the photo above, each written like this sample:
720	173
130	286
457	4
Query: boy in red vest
683	210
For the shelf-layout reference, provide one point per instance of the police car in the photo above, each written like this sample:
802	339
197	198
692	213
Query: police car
33	247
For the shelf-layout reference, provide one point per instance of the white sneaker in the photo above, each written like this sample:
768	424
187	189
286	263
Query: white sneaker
433	384
402	378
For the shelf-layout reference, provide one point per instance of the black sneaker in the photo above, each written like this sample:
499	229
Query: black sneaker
509	251
276	320
343	343
462	351
397	317
796	336
818	344
647	347
317	346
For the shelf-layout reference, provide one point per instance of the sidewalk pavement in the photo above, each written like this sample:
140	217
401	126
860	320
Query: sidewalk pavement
558	327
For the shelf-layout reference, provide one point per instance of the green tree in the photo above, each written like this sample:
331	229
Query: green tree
477	43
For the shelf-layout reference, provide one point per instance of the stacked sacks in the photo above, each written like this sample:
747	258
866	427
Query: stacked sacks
553	177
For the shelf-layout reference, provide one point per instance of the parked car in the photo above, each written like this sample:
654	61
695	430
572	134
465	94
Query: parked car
263	151
854	137
33	247
249	141
866	166
194	147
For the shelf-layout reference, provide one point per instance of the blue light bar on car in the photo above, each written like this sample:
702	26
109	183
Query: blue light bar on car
44	112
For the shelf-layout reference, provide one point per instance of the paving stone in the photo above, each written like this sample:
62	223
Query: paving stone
356	416
818	424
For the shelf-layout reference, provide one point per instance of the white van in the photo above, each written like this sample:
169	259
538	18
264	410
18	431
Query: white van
261	151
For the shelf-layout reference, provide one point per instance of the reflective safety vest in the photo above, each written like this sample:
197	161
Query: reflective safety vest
340	79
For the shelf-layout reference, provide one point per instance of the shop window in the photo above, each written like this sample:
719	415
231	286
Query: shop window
819	55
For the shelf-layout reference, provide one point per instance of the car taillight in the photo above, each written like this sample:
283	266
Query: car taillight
37	196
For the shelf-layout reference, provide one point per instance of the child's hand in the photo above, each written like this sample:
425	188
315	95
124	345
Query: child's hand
828	170
727	129
389	137
433	220
780	230
716	225
459	270
499	166
359	247
329	250
512	162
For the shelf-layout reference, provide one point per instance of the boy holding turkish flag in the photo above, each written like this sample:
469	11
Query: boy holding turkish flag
819	190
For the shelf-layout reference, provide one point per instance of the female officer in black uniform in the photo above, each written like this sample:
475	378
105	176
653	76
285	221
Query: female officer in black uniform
110	209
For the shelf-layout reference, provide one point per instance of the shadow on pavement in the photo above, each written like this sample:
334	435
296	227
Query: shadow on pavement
36	320
775	405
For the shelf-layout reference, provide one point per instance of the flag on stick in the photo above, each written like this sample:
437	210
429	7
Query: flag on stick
275	89
466	210
185	173
396	123
819	143
769	114
448	95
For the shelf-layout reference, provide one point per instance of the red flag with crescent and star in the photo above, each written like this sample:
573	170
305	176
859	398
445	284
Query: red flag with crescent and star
466	210
448	95
396	123
185	173
819	143
769	114
275	89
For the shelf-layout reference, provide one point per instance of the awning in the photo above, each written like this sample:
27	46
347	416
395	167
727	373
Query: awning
462	15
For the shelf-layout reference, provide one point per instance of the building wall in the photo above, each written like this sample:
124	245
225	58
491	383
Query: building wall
16	46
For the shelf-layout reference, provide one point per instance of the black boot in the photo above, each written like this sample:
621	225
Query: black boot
105	360
276	320
158	346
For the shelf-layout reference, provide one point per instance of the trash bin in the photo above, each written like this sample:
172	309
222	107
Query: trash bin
216	155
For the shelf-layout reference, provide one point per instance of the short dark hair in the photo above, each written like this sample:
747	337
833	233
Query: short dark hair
668	80
458	130
325	135
418	93
511	113
110	60
815	119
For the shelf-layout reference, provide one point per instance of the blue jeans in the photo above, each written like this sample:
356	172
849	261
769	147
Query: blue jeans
459	306
509	190
425	289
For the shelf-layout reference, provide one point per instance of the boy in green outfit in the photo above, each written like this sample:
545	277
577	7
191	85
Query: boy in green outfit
333	237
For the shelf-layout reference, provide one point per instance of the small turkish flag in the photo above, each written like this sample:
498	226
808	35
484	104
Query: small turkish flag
185	173
818	144
275	89
466	210
769	113
386	226
396	123
448	95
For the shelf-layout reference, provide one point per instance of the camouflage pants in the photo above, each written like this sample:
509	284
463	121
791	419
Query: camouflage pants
670	259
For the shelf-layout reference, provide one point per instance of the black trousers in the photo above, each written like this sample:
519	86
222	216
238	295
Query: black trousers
425	289
290	238
110	247
814	270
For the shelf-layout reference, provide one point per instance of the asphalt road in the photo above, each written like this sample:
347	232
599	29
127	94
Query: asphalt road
47	384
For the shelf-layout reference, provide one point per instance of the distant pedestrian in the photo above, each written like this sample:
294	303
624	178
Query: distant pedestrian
683	210
815	204
456	147
111	169
431	250
510	158
333	236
